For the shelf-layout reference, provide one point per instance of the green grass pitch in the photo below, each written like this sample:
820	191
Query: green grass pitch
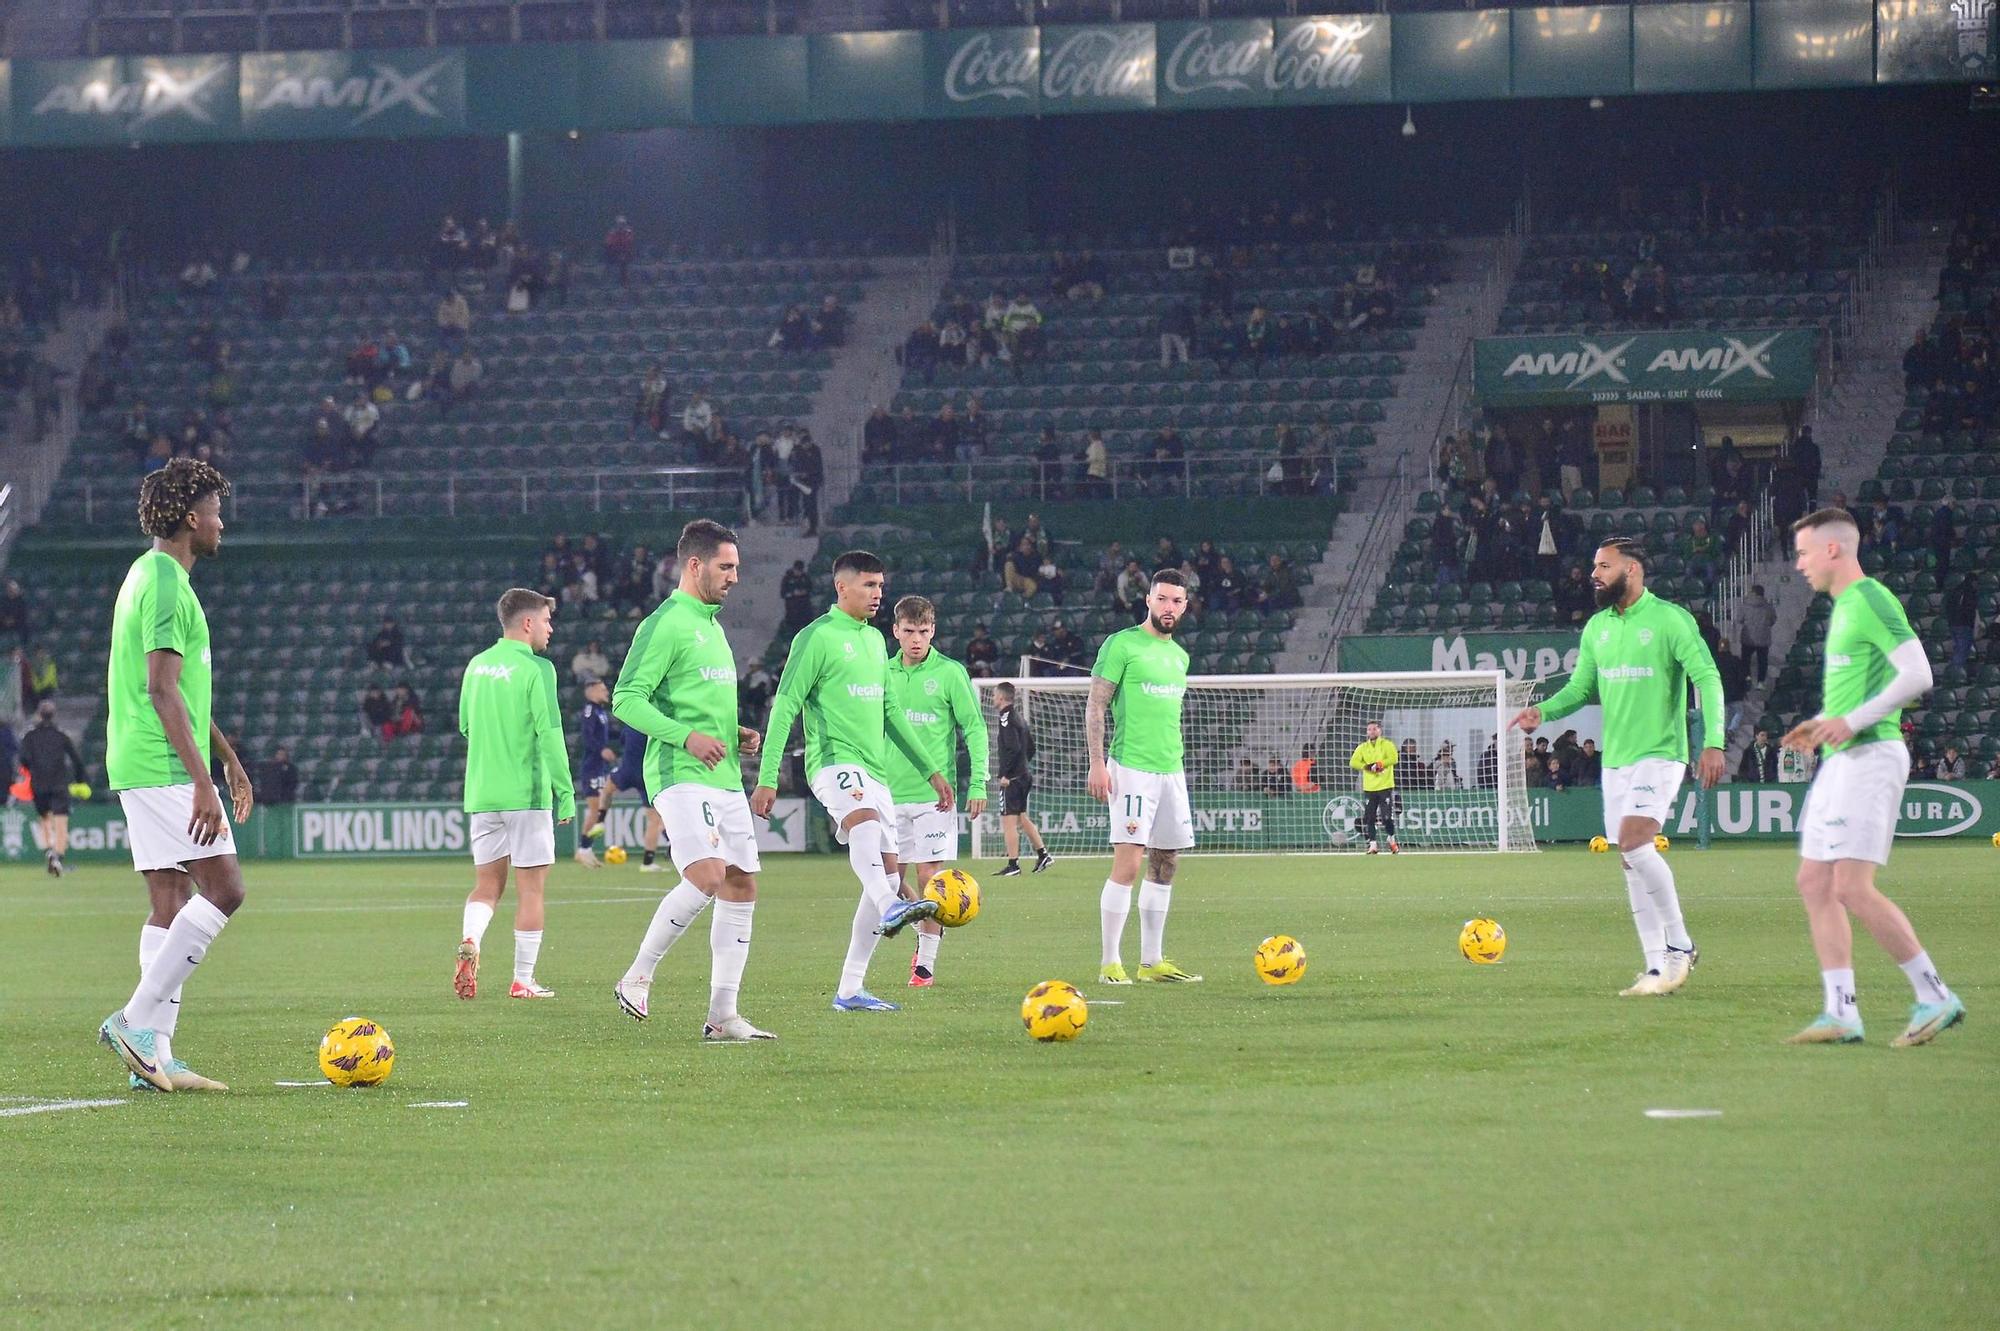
1401	1140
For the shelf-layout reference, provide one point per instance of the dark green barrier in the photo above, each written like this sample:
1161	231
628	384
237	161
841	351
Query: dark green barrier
1077	68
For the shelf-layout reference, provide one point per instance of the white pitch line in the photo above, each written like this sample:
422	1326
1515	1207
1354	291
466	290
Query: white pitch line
57	1106
282	909
321	1082
439	1104
1683	1113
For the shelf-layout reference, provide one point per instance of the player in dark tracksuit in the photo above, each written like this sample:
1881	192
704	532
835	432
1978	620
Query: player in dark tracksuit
616	762
595	755
52	762
1017	749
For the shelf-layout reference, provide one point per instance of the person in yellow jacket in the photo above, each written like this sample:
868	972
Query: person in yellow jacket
1375	759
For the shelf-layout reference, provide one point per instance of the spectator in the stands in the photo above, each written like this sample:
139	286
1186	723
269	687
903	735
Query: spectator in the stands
15	614
1737	534
1109	564
1196	602
1704	551
1276	780
590	663
1951	765
1257	336
1218	292
463	380
387	650
793	333
650	408
1943	535
982	653
1575	599
795	588
943	437
279	781
1206	559
1064	645
1758	617
620	244
1961	616
1589	765
406	714
198	276
1704	624
698	425
580	588
1806	457
1166	554
829	323
452	248
1022	572
808	475
1022	329
375	709
1505	460
1574	454
1176	333
1096	467
1280	587
1129	591
1788	496
878	436
454	319
1305	773
362	417
1226	588
1760	760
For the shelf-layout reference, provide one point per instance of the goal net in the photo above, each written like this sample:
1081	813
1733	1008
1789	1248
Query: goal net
1243	736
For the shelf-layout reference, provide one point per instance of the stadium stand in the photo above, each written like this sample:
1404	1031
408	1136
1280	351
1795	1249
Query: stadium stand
1930	521
1281	356
559	385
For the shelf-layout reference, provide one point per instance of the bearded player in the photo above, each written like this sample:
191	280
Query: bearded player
158	742
1874	668
678	688
1141	675
939	705
1637	657
837	677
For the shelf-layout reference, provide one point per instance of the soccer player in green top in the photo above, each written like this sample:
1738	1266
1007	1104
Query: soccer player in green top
516	765
837	676
158	739
1141	674
1874	668
678	689
1637	657
939	705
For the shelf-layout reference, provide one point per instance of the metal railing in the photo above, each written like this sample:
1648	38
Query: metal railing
1740	570
498	494
1383	531
1187	477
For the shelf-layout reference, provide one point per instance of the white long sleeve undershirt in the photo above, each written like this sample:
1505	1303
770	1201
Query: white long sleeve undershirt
1911	681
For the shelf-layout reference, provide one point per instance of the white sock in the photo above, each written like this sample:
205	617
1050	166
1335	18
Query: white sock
1654	872
675	915
151	939
527	947
1924	979
729	952
927	949
1652	937
861	940
1154	899
1114	904
186	942
1839	987
477	916
864	856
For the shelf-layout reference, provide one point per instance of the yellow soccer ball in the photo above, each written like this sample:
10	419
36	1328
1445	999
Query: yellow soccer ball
614	854
957	897
1054	1011
1660	841
1482	941
1280	959
1598	845
356	1052
79	790
1996	840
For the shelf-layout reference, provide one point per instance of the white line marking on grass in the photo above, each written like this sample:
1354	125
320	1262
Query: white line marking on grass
439	1104
1683	1113
280	908
321	1082
56	1106
1104	1002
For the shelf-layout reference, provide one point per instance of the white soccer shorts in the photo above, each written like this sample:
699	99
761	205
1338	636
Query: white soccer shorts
156	826
843	789
707	823
1648	788
1150	809
927	834
1851	809
525	836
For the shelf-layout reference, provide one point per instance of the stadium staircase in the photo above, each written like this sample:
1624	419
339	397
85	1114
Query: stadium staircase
1852	423
865	373
1353	567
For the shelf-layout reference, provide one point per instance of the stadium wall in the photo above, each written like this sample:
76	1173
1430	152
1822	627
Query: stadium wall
1931	809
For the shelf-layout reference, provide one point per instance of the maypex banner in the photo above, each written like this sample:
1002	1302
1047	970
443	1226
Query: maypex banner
1521	655
1747	365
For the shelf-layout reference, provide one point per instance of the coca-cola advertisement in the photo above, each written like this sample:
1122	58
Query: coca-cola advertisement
1344	58
1221	62
983	72
1028	71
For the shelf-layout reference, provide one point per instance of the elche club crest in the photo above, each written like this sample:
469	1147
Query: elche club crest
931	687
1645	636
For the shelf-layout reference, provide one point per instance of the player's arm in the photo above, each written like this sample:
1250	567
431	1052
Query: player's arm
546	710
1890	632
795	685
240	794
1579	692
1388	764
1101	689
897	727
75	759
1699	665
465	703
166	644
965	713
1357	762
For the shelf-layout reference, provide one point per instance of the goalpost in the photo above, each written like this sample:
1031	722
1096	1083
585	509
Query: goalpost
1474	800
